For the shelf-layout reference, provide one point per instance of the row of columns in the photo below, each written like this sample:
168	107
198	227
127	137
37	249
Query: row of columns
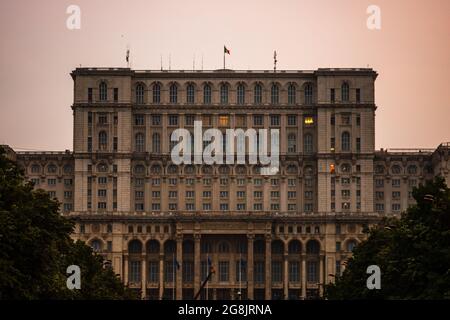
250	270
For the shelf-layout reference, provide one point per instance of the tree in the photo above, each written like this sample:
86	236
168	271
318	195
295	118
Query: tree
36	248
413	252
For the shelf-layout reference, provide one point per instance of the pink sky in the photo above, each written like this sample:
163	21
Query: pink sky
411	53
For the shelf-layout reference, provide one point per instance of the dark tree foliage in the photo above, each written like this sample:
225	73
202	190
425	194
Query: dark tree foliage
36	248
413	252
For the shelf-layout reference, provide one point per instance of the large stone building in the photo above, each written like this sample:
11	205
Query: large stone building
279	236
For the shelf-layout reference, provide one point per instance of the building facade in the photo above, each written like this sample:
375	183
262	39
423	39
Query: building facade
282	236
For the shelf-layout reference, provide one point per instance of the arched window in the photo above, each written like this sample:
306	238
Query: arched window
396	169
345	92
292	143
156	93
223	93
308	93
140	142
346	168
207	94
313	247
139	169
153	246
240	94
67	169
102	91
294	247
291	94
102	140
156	143
345	141
308	143
277	247
379	169
412	169
51	168
275	94
351	244
156	169
172	169
35	168
170	247
258	94
135	246
190	93
140	93
173	92
292	169
96	245
102	167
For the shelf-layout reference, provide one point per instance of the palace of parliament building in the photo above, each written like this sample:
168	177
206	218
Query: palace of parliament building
164	226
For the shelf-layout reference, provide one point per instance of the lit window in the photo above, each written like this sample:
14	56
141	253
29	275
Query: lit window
309	120
223	120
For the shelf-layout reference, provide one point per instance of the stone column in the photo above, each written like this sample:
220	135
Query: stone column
178	272
144	277
268	278
303	278
250	264
161	273
321	273
197	263
286	273
125	268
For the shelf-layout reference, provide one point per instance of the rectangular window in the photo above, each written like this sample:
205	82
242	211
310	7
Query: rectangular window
156	206
358	144
101	205
396	207
190	206
277	274
358	95
173	120
102	192
156	120
189	119
51	182
224	206
258	120
224	121
257	207
116	94
294	271
275	120
224	271
67	194
139	120
153	271
258	273
207	206
188	271
135	272
312	271
257	194
332	95
241	271
89	95
396	183
139	207
292	120
292	207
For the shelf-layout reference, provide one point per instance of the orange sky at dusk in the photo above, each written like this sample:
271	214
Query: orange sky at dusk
411	53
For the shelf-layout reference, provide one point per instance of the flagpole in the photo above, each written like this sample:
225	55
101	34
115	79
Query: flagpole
240	276
207	265
224	58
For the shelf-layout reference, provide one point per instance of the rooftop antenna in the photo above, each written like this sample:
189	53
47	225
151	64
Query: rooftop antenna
193	63
170	63
161	63
275	61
